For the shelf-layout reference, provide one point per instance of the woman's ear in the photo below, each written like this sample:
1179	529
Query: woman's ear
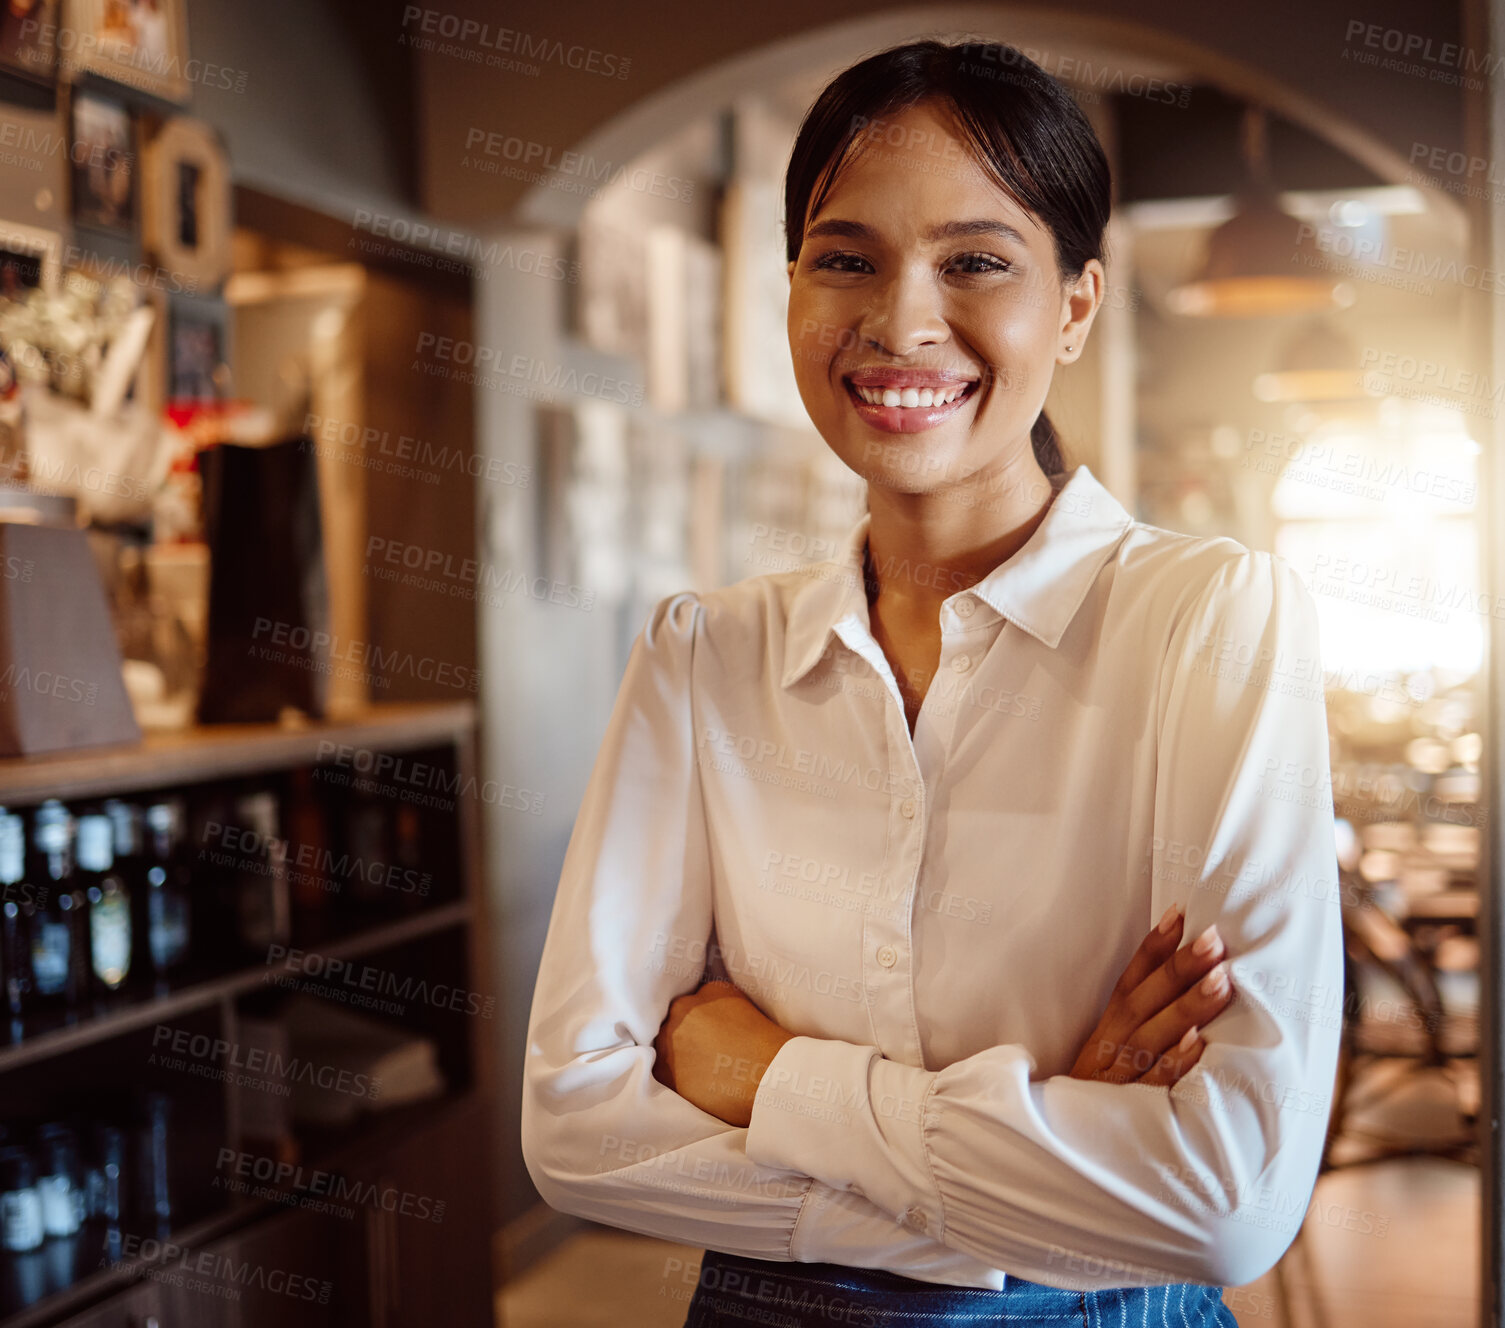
790	269
1081	306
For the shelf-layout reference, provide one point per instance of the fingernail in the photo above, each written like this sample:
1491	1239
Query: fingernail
1187	1038
1207	943
1169	920
1216	981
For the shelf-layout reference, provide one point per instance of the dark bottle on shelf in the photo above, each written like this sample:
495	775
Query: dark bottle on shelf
315	875
167	876
258	878
102	1146
60	1181
128	839
208	832
21	1226
152	1170
65	1205
416	883
367	850
103	1182
60	922
109	897
17	907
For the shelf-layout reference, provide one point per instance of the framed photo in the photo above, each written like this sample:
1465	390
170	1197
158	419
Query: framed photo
684	320
34	165
612	298
28	38
198	351
185	202
141	43
30	258
103	154
758	372
557	441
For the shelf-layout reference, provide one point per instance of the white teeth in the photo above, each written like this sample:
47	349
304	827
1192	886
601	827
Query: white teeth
908	396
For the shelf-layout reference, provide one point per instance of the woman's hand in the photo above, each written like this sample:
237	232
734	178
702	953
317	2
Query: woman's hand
1148	1033
713	1048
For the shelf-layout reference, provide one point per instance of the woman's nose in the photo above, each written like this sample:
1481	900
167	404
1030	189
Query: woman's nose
906	312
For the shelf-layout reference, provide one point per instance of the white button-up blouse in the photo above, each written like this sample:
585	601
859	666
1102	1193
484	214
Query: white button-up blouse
1123	718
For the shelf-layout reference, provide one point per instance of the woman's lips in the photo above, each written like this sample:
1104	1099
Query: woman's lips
900	418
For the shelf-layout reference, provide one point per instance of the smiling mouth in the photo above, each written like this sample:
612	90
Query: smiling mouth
907	397
908	387
908	400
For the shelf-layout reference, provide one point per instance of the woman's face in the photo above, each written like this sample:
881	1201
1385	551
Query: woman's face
926	312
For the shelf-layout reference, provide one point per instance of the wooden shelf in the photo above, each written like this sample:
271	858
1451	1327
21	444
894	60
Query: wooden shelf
116	1276
442	1137
375	1135
70	1037
167	759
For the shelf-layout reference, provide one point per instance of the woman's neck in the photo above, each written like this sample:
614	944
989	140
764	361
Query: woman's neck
923	548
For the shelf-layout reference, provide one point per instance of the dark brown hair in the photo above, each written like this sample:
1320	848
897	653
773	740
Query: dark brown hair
1024	126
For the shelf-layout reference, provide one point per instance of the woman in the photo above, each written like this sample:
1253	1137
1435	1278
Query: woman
976	831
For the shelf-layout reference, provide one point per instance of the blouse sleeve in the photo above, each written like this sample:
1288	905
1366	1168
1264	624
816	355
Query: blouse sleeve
1088	1185
601	1137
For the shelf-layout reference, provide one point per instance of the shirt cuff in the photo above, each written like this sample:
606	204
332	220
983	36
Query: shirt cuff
843	1114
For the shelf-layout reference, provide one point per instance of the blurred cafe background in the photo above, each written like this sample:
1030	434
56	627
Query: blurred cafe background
368	371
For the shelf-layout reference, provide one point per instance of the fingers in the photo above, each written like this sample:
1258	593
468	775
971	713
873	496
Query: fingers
1207	999
1193	1010
1101	1048
1153	951
1175	1062
1136	1030
1166	982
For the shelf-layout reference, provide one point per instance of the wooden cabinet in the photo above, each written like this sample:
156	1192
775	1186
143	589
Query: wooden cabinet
277	1272
429	1229
415	1251
388	1219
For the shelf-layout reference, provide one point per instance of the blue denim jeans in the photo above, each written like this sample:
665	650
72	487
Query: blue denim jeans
735	1292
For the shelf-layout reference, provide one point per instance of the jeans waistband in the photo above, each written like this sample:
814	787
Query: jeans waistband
734	1290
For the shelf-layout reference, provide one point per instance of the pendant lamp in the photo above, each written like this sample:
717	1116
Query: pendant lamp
1262	261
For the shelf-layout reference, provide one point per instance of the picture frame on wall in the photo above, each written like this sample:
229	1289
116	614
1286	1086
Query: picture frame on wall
756	368
30	258
140	43
684	320
556	439
611	299
197	351
185	202
28	39
102	150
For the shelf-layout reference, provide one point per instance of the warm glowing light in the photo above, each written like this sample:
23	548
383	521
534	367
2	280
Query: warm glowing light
1380	523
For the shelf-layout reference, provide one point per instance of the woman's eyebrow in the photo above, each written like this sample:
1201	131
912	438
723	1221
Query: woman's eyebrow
965	230
947	230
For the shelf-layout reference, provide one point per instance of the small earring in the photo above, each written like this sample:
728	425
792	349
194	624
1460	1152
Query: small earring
1068	347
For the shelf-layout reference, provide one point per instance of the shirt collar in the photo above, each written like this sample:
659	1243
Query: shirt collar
1039	589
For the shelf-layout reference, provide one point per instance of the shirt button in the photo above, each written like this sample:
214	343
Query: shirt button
887	956
961	663
964	606
906	808
914	1219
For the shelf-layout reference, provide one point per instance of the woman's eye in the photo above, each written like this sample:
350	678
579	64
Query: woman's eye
977	264
967	265
841	261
